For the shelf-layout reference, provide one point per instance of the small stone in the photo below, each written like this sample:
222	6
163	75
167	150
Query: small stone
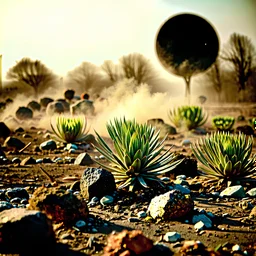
15	200
172	237
80	224
142	214
181	177
199	226
94	230
186	142
106	200
252	192
233	191
101	157
48	145
16	160
203	218
236	248
71	146
27	161
133	219
39	161
83	159
182	189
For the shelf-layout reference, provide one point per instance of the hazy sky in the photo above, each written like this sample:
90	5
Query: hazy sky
64	33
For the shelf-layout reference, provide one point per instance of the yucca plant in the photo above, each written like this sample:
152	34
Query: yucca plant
223	123
189	116
252	123
70	129
137	159
225	156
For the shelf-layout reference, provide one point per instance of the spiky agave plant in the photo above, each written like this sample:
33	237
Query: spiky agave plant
70	129
189	116
223	123
225	156
137	158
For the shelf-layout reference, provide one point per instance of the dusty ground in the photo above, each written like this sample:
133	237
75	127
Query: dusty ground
231	229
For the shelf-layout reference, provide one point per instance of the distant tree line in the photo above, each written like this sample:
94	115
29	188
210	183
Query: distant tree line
236	65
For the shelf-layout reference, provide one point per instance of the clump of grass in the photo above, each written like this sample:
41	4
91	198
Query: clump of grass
189	116
223	123
137	160
70	129
225	156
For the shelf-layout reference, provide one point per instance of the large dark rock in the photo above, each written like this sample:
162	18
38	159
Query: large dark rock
59	204
24	113
69	94
17	192
4	130
97	182
55	107
48	145
246	129
34	105
26	232
45	101
13	143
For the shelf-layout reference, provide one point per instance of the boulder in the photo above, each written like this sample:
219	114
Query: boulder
45	101
69	94
26	232
83	107
24	113
246	129
34	105
59	204
171	205
4	131
128	243
54	107
96	182
13	143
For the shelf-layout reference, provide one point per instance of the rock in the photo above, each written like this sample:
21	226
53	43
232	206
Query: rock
187	167
253	214
48	145
106	200
127	243
203	218
17	192
233	191
171	205
80	224
160	124
199	226
83	159
59	204
24	113
142	214
20	228
133	219
45	101
186	143
252	192
181	177
4	131
199	131
34	105
181	182
65	104
54	107
97	182
13	143
69	94
84	107
27	161
246	129
5	205
172	237
71	146
182	189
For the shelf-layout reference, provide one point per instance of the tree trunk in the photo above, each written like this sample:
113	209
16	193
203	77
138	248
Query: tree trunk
187	91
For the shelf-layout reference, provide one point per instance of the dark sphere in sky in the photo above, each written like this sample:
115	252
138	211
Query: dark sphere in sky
187	44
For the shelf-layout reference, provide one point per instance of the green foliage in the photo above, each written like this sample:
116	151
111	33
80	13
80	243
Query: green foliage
189	116
137	159
223	123
252	123
70	129
225	156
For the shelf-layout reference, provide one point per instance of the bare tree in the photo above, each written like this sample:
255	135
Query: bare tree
240	53
86	77
213	76
133	65
32	73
